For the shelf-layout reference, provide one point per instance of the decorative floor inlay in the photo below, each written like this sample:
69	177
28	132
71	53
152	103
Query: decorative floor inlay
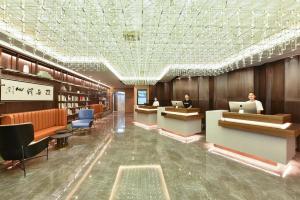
140	182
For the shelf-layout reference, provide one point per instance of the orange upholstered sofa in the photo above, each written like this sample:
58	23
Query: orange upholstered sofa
45	122
98	110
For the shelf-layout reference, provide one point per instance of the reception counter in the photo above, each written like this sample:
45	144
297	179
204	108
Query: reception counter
266	138
181	123
145	116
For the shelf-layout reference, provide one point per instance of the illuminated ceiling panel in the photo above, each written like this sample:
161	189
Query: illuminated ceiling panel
143	41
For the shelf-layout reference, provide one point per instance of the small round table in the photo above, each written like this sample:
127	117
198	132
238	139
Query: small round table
61	138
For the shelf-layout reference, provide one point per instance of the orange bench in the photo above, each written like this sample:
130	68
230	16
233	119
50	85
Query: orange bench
45	122
98	110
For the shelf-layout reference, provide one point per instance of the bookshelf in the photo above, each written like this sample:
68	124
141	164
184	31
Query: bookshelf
78	92
75	97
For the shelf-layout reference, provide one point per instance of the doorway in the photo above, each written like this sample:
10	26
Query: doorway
119	101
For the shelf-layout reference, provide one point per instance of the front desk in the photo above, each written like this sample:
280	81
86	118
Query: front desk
267	138
145	116
180	123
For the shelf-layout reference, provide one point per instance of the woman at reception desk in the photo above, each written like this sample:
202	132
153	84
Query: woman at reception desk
146	116
179	122
252	98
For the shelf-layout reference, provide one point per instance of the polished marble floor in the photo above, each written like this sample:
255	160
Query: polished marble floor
88	168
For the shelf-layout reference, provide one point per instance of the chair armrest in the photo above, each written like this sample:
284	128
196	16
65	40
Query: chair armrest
34	142
36	147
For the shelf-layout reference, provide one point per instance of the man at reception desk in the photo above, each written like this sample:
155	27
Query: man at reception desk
187	103
252	98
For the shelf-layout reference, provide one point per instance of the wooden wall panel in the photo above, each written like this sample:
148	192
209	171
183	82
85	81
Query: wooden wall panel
276	85
240	83
186	86
203	96
163	92
215	92
260	84
221	92
274	102
5	60
292	88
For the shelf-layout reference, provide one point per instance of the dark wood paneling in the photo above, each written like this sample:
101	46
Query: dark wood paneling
275	88
163	92
203	96
211	93
240	83
220	92
215	92
276	85
260	84
186	86
292	88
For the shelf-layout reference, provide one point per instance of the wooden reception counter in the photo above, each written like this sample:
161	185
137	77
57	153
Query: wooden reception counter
145	116
269	138
183	122
182	113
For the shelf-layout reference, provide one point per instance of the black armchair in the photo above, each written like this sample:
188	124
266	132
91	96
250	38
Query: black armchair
16	143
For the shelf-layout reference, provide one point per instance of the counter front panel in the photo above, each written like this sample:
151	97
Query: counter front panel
269	143
146	115
180	121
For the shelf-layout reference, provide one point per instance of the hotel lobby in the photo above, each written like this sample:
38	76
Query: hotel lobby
150	100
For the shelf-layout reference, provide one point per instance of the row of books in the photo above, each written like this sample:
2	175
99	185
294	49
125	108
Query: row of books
68	105
72	98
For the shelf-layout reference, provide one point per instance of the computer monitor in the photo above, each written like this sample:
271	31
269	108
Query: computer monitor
248	107
177	104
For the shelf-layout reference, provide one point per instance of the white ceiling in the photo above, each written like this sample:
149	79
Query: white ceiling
201	37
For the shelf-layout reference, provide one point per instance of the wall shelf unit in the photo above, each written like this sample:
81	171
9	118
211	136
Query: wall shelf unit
71	91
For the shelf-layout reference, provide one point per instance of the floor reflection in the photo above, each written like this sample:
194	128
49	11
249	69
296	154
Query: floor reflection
190	172
119	122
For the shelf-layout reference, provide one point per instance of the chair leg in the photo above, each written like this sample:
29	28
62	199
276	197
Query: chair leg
23	161
23	167
47	152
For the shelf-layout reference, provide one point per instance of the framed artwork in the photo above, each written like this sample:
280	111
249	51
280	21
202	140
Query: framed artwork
12	90
141	96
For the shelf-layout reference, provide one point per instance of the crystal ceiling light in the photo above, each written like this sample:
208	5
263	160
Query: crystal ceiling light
4	44
205	37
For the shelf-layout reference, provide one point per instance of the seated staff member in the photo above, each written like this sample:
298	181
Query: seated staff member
187	103
155	102
252	98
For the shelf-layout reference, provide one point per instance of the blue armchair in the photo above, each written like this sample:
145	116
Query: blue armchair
85	119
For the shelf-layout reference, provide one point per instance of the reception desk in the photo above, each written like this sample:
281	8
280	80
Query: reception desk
181	122
145	116
266	138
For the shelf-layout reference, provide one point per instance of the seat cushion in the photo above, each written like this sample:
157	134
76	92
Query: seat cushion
47	132
84	123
